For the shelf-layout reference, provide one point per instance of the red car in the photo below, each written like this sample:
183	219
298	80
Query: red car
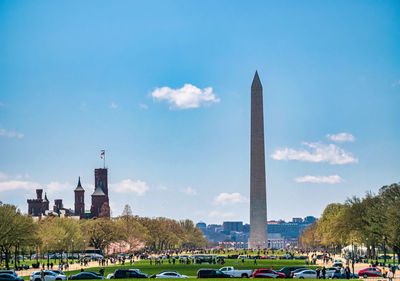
267	273
370	272
269	258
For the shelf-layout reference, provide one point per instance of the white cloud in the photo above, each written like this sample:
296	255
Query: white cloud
341	137
128	185
320	179
2	176
57	188
16	185
190	191
318	152
217	214
10	134
143	106
113	105
188	96
230	198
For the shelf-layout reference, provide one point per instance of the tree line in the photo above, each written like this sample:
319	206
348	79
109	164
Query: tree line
372	221
19	234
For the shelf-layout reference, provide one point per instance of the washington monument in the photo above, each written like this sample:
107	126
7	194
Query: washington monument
258	200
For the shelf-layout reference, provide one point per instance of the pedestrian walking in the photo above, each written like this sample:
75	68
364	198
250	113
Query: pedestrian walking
42	275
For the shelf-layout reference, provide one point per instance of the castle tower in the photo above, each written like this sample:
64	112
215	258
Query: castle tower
101	174
100	206
79	200
258	201
36	206
45	204
58	205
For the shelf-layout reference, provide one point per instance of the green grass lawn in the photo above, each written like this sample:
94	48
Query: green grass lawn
191	269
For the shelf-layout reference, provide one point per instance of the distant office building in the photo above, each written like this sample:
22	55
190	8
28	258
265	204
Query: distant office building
202	226
297	220
310	219
229	226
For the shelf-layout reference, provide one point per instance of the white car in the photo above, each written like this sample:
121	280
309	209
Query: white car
170	274
230	270
306	274
331	270
48	276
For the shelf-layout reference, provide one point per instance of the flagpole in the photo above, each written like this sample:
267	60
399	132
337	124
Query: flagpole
104	163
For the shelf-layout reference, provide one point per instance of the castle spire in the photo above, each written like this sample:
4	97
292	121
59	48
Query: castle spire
79	186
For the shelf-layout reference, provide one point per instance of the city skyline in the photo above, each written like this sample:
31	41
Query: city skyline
165	91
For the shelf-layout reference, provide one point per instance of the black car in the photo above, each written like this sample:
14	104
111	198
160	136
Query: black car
211	273
85	275
289	269
12	272
10	277
127	273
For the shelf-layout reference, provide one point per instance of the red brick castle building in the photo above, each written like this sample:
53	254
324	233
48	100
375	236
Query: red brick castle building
100	207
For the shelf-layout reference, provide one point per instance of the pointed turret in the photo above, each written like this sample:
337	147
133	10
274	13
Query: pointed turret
256	82
79	200
45	197
79	186
98	191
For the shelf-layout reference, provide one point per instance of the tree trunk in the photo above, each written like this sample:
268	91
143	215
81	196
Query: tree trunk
7	252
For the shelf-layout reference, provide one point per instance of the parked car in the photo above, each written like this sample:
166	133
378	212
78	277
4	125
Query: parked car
331	270
337	264
343	276
48	276
305	274
268	273
10	277
12	272
211	273
297	271
85	276
270	257
170	274
288	270
230	270
126	273
58	271
370	272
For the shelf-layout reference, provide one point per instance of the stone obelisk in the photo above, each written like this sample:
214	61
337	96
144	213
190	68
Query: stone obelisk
258	200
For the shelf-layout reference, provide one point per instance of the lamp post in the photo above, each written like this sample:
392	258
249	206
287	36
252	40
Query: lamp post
72	250
352	259
384	249
59	248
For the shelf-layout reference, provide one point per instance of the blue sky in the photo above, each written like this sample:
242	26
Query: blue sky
164	88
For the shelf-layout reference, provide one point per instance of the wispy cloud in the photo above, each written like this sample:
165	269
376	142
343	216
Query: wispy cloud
188	96
190	191
318	152
1	103
17	185
2	176
218	214
320	179
230	199
113	105
10	133
341	137
125	186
